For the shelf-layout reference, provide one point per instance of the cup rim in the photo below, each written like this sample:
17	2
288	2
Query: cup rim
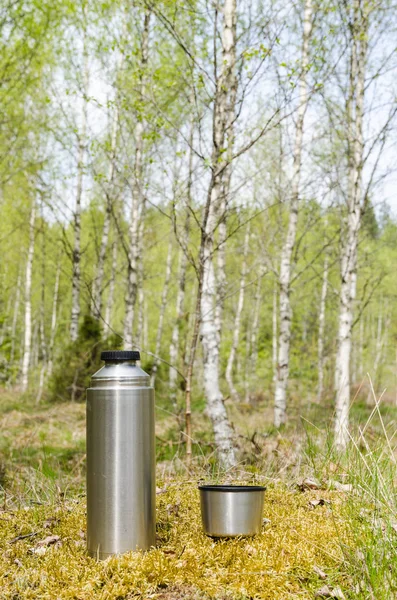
231	488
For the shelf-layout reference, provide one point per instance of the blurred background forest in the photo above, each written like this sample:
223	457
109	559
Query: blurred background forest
212	184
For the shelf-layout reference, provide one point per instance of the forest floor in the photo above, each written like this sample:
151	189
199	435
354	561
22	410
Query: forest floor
330	522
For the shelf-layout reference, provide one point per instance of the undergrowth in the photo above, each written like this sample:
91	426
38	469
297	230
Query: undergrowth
330	520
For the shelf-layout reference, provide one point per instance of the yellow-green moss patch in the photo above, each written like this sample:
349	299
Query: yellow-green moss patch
277	564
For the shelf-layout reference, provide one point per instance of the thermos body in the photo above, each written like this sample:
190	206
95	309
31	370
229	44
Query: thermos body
121	491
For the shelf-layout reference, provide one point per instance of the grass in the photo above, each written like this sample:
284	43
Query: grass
341	535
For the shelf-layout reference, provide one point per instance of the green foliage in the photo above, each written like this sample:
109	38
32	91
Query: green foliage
79	361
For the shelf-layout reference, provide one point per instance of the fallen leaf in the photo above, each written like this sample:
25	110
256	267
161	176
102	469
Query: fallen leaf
320	502
309	484
48	541
327	592
319	572
51	522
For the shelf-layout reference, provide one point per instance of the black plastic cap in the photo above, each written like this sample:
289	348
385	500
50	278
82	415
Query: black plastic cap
120	355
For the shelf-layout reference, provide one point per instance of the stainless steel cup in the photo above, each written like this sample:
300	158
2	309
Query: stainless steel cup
231	510
121	488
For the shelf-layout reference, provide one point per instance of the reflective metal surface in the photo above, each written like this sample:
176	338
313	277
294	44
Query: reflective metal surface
121	490
228	510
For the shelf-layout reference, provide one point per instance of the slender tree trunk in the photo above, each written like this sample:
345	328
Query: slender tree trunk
321	329
280	398
76	256
28	303
54	316
182	267
98	280
164	296
216	409
350	242
43	343
137	197
109	303
274	335
237	321
140	275
15	318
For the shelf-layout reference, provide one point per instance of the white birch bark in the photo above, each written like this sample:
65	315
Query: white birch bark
280	398
321	329
15	318
54	316
96	307
274	334
216	409
237	321
182	267
137	198
76	255
107	329
163	305
140	278
43	343
28	303
348	270
175	336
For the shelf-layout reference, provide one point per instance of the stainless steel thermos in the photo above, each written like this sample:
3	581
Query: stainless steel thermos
121	490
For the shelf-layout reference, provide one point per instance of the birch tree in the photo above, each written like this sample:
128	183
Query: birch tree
81	142
28	302
321	329
237	321
137	192
209	333
348	262
163	305
285	311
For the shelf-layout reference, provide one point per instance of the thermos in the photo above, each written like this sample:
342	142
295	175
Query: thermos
121	489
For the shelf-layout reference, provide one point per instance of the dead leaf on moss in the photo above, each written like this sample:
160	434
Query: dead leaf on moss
327	592
320	572
318	502
309	484
49	541
51	522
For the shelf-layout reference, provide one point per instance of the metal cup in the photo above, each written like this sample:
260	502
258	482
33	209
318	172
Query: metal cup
231	510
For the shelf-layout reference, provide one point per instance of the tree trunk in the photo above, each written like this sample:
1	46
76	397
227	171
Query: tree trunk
137	197
321	329
216	409
54	316
274	335
182	267
43	343
107	329
253	359
280	397
76	255
237	321
164	296
348	271
15	318
28	303
98	280
140	277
